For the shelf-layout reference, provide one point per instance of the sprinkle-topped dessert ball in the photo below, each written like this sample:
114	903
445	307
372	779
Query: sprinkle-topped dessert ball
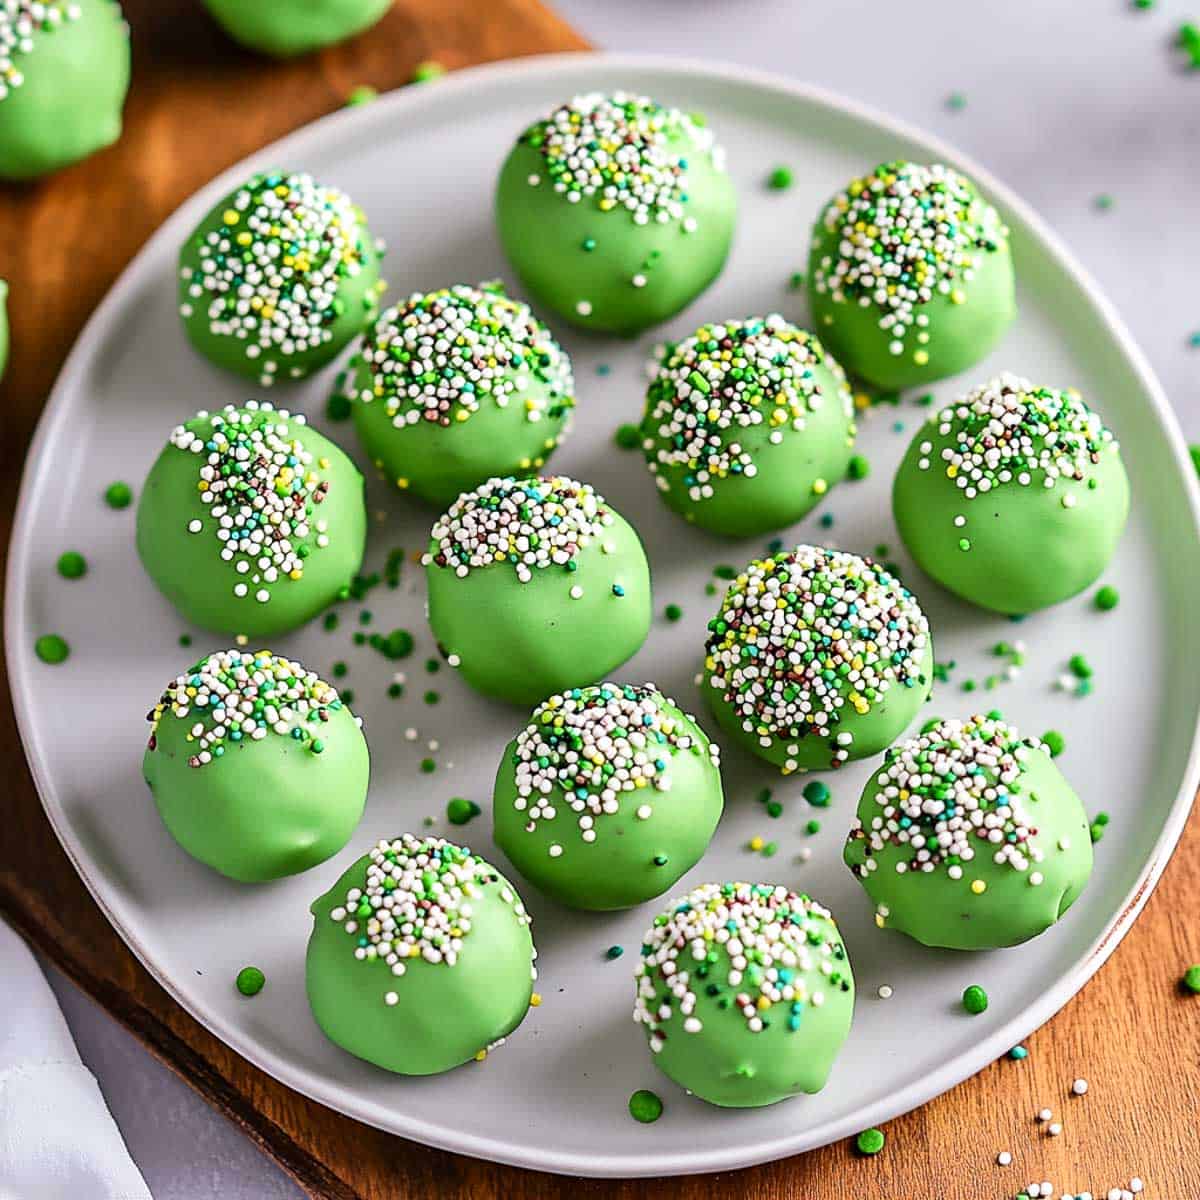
910	274
817	657
64	72
615	211
285	28
745	993
257	767
420	957
278	278
1012	497
250	522
536	585
970	838
458	386
607	796
747	425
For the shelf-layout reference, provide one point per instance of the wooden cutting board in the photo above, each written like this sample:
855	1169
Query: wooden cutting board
199	104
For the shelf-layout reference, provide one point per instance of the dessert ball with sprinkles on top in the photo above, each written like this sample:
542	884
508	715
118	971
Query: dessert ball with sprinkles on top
460	385
911	278
607	796
285	28
969	837
615	211
64	72
745	993
250	522
278	278
536	585
817	657
257	767
1013	496
420	958
747	425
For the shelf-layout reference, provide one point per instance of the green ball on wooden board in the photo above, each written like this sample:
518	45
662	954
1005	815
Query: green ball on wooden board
970	838
64	73
256	766
747	425
787	683
536	585
278	277
457	386
419	999
1012	497
286	28
910	275
250	522
607	796
782	1039
615	211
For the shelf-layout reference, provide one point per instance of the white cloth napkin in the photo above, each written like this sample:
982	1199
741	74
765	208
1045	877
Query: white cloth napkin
58	1140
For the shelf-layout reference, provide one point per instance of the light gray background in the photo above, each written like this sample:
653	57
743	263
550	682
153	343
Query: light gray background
1065	100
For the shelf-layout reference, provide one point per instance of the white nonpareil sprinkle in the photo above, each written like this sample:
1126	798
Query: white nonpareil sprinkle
1004	1158
1080	1087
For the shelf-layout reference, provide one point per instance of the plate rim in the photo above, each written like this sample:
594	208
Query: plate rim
406	103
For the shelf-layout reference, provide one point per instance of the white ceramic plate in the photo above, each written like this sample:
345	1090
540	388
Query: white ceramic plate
422	163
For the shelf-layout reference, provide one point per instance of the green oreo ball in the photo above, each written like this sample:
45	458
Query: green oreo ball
536	585
257	768
278	278
250	522
607	796
615	211
420	957
1013	497
762	1015
911	277
457	386
747	425
816	658
970	838
285	28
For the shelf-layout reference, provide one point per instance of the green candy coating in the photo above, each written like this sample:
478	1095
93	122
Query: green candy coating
310	262
549	627
1017	546
970	903
856	688
253	807
747	425
71	90
953	298
286	28
799	1021
436	1014
177	528
616	264
584	744
497	402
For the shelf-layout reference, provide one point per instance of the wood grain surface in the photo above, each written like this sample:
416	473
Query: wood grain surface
199	104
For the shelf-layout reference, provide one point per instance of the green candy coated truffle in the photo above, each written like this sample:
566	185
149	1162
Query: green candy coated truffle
932	871
607	796
839	676
1012	497
272	793
458	386
911	275
636	241
63	78
747	425
798	1019
419	997
561	576
303	253
285	28
292	496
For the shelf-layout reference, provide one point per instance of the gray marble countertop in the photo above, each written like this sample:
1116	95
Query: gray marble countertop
1064	101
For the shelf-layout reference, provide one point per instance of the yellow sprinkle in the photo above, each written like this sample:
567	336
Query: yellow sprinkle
230	216
763	1002
402	482
535	1000
978	887
481	1056
756	843
921	357
819	487
879	920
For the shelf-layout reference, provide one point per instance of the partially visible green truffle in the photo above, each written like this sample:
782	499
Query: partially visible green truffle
286	28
